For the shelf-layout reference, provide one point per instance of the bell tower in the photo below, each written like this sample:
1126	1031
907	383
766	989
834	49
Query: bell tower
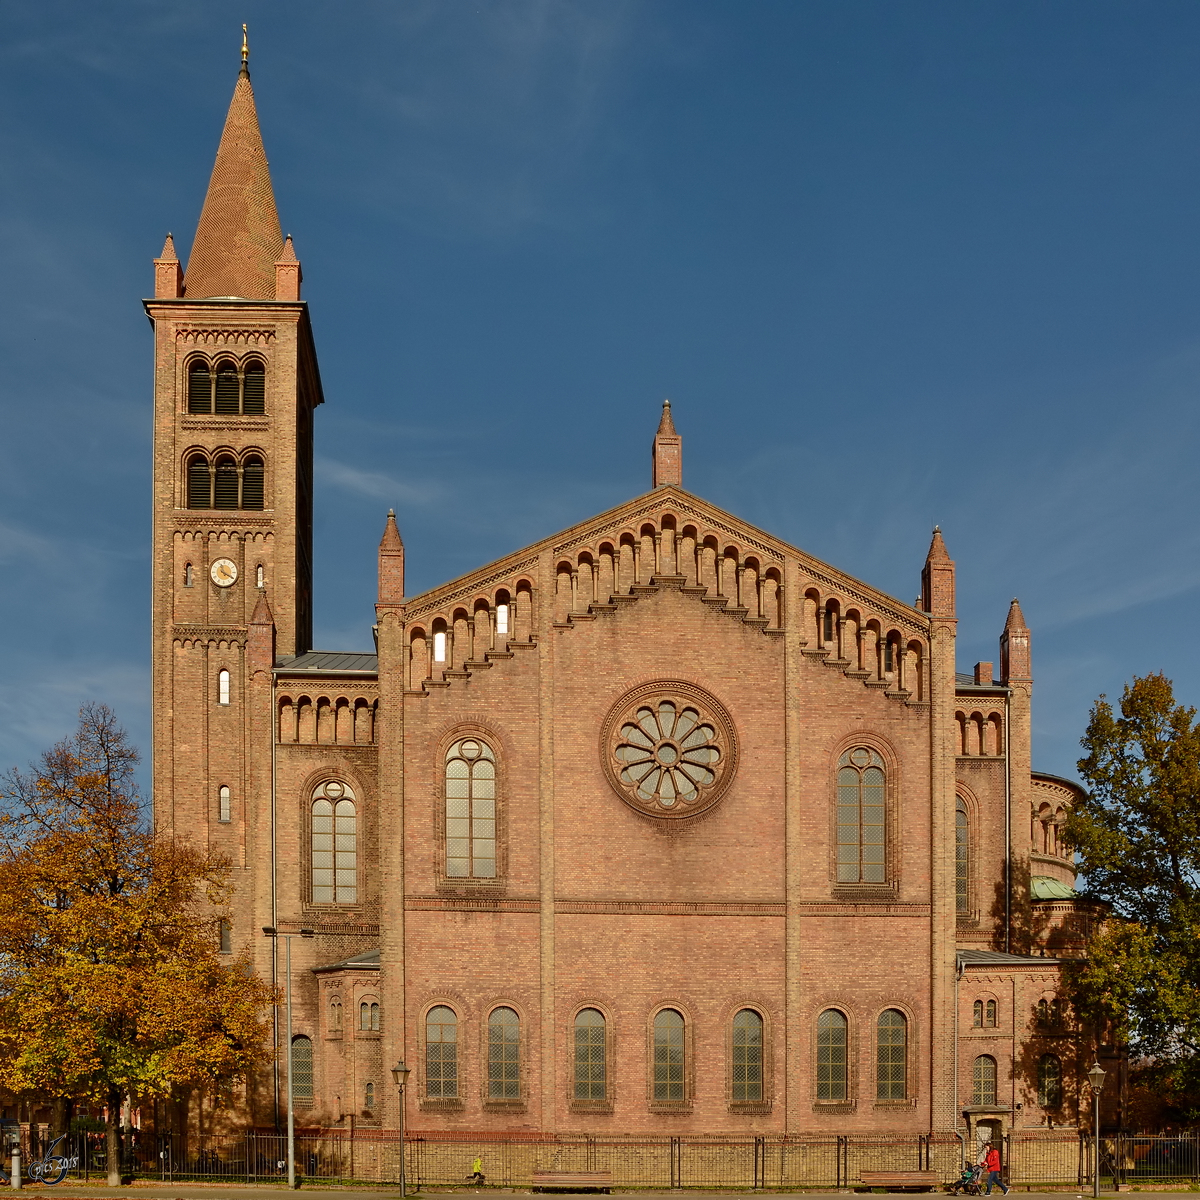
235	385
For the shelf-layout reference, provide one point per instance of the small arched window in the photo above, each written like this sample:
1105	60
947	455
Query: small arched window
504	1055
302	1069
259	576
747	1057
860	817
439	646
254	390
252	484
335	1014
199	389
199	482
369	1097
222	686
983	1080
591	1063
227	388
1049	1081
189	576
441	1053
832	1059
224	804
978	1014
891	1067
670	1059
990	1019
334	845
962	858
470	810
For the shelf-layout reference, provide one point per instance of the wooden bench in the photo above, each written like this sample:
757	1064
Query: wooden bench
901	1181
572	1181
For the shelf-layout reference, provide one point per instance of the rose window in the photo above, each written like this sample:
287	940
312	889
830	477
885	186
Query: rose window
669	750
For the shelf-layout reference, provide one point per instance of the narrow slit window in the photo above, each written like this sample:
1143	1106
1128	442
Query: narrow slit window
827	631
860	817
470	810
189	577
990	1020
369	1097
259	576
891	1069
441	1054
199	483
962	859
224	804
252	484
222	686
374	1017
225	931
502	620
747	1057
670	1065
439	646
335	1015
591	1067
254	390
977	1014
199	391
832	1057
504	1055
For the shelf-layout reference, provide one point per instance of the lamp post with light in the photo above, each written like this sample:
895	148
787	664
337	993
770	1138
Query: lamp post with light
275	935
1095	1078
400	1074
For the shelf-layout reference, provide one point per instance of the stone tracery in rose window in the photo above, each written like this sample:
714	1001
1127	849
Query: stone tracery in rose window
670	750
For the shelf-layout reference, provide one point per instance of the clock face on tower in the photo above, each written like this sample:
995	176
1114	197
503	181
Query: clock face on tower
224	572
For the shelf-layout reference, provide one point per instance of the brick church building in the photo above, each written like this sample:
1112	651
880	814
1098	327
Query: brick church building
656	825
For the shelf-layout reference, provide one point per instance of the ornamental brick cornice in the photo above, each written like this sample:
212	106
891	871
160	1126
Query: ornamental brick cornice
228	335
451	593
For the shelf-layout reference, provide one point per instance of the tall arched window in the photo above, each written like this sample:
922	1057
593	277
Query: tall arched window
747	1057
441	1053
891	1067
224	803
252	483
254	389
199	388
1049	1081
670	1080
504	1055
470	810
962	858
334	845
990	1019
369	1097
591	1066
860	817
199	482
302	1069
227	388
225	484
832	1058
222	686
983	1080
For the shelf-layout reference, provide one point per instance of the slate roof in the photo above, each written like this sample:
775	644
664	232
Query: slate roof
368	959
326	661
997	958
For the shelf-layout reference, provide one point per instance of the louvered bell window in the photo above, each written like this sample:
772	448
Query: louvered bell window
199	484
228	389
199	391
254	390
226	489
252	485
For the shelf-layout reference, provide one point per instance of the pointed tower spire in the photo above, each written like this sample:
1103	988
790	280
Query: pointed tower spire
667	451
238	239
168	273
1015	661
260	638
391	563
937	578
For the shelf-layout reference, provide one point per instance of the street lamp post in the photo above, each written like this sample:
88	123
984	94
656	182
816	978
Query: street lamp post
275	935
1096	1079
400	1074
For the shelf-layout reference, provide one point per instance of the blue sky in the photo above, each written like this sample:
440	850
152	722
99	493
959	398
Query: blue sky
895	264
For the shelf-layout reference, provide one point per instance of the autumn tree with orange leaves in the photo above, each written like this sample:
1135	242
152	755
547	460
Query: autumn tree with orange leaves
111	984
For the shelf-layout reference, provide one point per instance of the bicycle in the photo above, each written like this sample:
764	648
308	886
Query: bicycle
50	1169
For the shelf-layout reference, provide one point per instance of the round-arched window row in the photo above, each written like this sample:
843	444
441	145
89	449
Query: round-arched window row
224	482
228	388
833	1056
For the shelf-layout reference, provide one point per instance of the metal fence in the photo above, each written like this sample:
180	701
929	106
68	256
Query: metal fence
742	1163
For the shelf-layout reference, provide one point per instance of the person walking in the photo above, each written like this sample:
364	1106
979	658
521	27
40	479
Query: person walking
991	1164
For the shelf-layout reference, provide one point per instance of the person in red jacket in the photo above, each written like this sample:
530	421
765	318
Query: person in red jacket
991	1164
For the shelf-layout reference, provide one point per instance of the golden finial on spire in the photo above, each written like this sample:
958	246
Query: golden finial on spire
245	46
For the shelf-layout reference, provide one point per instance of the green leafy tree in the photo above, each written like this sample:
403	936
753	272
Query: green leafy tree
111	984
1137	832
